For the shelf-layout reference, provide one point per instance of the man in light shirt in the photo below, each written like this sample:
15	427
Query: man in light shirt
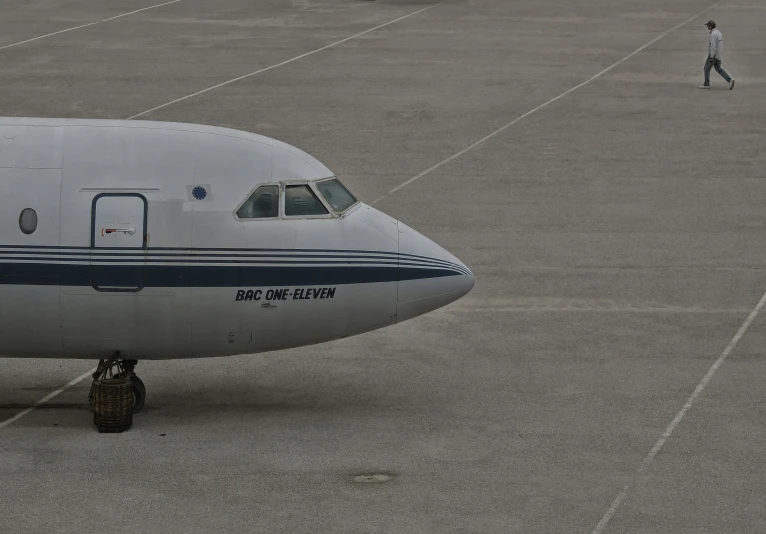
715	56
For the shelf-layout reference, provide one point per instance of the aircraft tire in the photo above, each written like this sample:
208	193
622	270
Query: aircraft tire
139	393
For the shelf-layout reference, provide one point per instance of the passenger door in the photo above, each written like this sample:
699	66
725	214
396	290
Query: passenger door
118	242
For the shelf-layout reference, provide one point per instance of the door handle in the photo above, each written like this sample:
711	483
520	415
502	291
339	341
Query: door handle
129	231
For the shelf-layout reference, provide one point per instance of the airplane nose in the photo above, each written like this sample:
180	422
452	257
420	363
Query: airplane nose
429	276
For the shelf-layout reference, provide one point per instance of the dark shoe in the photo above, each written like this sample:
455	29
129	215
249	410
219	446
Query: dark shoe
731	85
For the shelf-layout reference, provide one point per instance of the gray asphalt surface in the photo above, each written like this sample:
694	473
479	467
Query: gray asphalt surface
616	235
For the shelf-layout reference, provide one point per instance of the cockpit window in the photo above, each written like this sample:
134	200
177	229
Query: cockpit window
300	200
336	195
262	204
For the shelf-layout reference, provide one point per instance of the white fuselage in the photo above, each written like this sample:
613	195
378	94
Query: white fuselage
139	246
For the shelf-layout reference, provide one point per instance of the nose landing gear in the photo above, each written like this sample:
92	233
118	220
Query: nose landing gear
114	367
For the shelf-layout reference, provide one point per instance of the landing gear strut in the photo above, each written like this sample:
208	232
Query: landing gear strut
114	367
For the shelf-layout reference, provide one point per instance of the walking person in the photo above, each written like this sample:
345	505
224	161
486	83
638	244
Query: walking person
715	56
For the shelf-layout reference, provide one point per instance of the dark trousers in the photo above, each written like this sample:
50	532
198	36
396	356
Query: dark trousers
718	68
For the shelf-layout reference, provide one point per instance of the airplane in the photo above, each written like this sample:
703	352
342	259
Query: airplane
126	240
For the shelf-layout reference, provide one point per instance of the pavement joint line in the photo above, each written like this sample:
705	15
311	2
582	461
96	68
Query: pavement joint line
679	416
45	399
542	106
291	60
89	24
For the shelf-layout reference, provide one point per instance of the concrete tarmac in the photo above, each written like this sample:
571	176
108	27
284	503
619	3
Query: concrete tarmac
616	235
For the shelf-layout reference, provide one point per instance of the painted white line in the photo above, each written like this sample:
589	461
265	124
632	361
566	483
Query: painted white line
680	415
45	399
542	106
296	58
88	24
594	309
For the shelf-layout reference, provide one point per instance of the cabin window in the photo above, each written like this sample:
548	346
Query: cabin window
262	204
28	221
300	200
336	195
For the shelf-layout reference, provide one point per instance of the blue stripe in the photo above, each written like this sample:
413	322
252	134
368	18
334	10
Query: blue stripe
188	261
139	263
293	259
163	251
190	257
206	276
198	249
